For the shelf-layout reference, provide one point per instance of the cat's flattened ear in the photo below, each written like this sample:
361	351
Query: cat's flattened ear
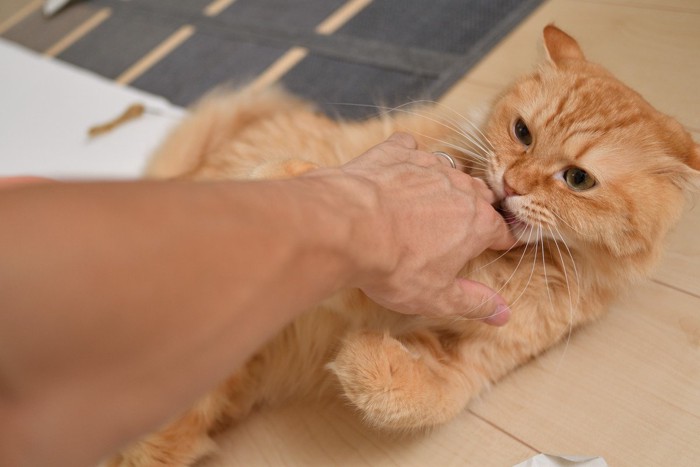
560	46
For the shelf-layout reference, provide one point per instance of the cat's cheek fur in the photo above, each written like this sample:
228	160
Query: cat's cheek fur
495	180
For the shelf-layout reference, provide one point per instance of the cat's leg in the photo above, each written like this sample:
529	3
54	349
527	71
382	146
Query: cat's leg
412	382
179	444
188	439
424	378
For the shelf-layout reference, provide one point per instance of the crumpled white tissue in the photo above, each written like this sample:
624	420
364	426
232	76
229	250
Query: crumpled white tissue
549	460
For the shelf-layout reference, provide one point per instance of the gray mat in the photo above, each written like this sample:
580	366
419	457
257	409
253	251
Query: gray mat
391	52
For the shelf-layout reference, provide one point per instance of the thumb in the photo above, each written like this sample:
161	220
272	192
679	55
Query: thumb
478	301
504	238
14	182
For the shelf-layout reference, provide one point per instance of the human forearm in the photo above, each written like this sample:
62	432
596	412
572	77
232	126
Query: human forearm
192	279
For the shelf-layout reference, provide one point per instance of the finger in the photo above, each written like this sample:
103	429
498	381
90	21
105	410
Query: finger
503	238
398	148
471	185
404	140
12	182
499	318
484	191
478	301
445	159
426	160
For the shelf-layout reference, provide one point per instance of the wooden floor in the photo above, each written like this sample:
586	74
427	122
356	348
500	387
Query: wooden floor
626	388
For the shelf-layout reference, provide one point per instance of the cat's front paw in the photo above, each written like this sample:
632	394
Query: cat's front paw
395	387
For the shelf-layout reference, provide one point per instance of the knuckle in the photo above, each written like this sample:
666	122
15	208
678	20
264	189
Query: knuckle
405	139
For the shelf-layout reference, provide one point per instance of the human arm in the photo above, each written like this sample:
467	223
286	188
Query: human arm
121	303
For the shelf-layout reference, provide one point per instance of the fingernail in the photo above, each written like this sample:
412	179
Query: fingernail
499	317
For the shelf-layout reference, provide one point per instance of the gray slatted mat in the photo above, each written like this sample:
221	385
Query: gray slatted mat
388	53
203	62
39	34
118	43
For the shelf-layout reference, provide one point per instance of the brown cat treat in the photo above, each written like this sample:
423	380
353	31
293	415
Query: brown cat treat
134	111
591	179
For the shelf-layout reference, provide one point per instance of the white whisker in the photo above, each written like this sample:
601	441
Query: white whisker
470	151
480	140
520	237
564	222
463	316
478	154
573	264
481	136
534	262
544	271
571	305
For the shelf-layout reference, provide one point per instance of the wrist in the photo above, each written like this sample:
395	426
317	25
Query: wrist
353	224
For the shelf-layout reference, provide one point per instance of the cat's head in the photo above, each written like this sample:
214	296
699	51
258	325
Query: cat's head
578	154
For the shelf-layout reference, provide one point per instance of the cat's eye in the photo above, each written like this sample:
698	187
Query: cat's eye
522	132
578	179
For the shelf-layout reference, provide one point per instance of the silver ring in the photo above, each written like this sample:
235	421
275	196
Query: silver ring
446	156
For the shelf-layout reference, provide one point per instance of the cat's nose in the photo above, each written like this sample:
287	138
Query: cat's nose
509	190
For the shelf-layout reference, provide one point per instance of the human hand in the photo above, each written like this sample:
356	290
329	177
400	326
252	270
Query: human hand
430	220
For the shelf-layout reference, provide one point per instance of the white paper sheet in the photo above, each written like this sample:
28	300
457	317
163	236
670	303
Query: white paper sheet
47	107
548	460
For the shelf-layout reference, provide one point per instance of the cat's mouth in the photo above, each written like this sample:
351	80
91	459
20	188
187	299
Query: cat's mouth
512	220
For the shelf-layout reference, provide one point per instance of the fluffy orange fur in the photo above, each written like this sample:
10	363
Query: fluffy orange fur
579	247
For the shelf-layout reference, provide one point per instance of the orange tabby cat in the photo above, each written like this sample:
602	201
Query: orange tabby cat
591	179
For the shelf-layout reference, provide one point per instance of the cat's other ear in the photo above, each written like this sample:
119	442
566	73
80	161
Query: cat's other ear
694	161
689	176
560	46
